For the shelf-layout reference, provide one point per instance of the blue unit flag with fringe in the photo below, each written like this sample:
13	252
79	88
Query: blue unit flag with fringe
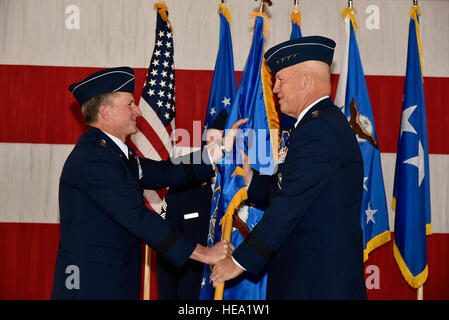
288	122
254	100
223	83
221	97
411	191
352	95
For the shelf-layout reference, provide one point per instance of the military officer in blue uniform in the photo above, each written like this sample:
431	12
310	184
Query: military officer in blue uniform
187	208
103	217
310	235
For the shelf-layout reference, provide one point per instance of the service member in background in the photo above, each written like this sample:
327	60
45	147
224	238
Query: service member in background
187	208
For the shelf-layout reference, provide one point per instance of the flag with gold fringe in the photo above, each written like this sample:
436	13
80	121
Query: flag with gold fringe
288	122
224	85
411	191
259	138
221	98
157	104
352	96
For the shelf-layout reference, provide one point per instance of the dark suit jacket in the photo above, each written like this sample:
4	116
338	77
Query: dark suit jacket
311	235
103	219
188	210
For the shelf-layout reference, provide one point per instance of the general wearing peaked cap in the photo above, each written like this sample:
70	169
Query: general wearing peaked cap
298	50
104	81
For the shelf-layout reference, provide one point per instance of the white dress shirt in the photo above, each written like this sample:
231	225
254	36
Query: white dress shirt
119	143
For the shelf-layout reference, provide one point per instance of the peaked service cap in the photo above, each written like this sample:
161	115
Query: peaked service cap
298	50
104	81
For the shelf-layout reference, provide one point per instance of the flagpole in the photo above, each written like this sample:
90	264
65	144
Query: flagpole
226	235
420	290
262	3
147	274
227	223
420	293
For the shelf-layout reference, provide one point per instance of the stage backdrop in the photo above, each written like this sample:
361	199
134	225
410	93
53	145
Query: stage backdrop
47	44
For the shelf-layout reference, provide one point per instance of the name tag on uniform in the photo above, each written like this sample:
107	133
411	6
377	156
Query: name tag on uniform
191	215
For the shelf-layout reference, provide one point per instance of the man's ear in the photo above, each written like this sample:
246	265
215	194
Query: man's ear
103	111
307	81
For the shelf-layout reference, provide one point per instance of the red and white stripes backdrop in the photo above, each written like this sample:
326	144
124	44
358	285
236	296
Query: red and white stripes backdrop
47	44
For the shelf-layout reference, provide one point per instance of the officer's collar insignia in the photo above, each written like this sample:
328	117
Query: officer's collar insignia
315	114
103	143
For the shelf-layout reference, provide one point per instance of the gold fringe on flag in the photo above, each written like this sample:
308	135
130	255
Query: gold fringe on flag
413	281
376	242
224	11
239	197
266	21
271	110
296	15
226	223
350	12
163	13
415	11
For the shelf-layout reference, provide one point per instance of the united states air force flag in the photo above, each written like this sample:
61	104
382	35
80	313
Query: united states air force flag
254	100
223	83
352	96
221	97
411	191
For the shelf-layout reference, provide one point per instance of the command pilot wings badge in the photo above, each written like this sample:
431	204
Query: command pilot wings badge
361	125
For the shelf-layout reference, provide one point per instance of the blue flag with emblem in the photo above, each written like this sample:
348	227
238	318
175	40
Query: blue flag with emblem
221	97
288	122
352	96
411	191
254	100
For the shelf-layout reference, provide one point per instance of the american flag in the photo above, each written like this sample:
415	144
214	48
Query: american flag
157	102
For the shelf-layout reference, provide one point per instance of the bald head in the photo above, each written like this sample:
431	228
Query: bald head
301	84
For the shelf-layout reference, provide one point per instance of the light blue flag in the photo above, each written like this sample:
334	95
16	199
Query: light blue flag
254	100
411	192
357	108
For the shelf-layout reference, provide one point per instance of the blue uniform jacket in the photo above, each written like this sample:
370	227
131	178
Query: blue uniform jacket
188	210
310	235
103	220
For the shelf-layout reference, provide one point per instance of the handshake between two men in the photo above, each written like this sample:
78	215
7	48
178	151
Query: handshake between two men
219	257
